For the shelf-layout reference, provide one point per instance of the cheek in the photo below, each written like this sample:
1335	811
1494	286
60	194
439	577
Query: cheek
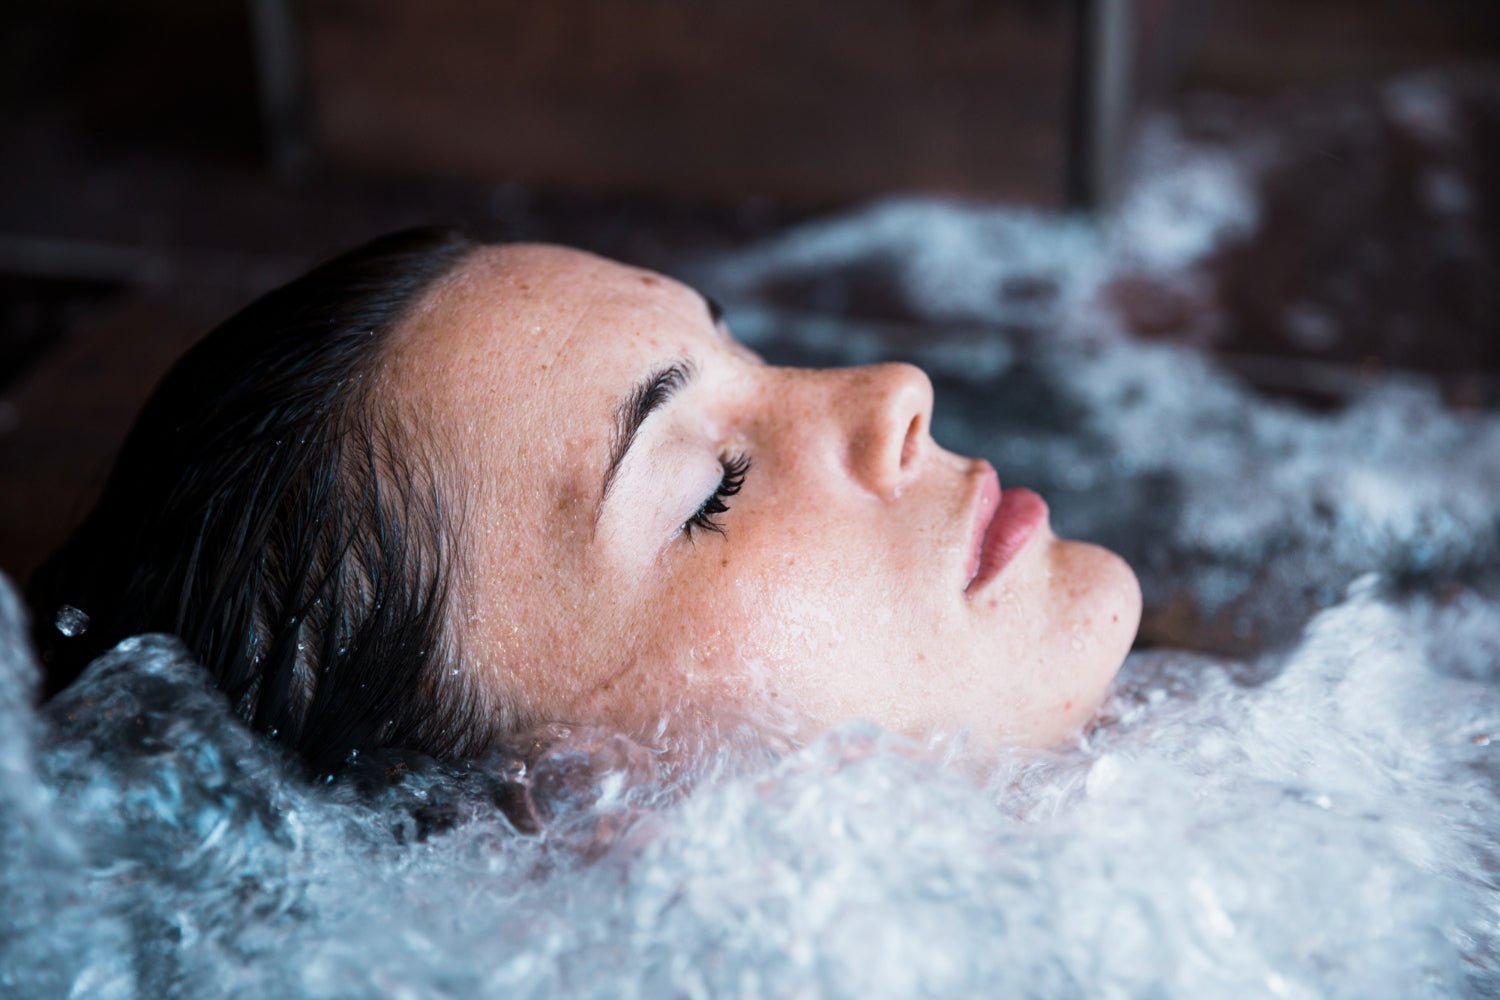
762	628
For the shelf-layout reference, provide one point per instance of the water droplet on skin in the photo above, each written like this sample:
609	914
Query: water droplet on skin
71	621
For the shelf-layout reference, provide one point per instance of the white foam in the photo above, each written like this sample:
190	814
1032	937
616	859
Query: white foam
1328	833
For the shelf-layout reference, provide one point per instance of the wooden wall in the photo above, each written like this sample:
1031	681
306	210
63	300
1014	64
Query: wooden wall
1259	46
807	102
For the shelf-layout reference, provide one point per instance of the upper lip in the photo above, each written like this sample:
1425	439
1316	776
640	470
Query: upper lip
983	505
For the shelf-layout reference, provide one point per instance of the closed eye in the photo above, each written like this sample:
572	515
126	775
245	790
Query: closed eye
730	482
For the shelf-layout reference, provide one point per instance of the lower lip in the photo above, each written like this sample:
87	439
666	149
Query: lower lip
1020	514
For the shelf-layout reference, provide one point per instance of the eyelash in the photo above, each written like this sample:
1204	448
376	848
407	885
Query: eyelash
729	484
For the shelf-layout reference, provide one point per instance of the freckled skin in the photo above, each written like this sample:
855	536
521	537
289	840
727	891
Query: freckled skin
837	589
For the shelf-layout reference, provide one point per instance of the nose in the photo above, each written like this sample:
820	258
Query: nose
890	409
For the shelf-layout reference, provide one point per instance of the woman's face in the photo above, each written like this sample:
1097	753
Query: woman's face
594	418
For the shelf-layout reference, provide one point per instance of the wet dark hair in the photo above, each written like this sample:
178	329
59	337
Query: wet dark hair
273	512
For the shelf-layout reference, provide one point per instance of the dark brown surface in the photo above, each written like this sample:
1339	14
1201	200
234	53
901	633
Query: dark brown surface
1275	46
61	424
1376	247
1379	239
813	103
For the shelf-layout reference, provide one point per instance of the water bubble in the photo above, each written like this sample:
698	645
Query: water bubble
71	622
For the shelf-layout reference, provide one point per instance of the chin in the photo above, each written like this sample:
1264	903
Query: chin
1121	592
1101	594
1104	600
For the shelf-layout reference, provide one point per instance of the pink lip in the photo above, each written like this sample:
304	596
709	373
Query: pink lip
1003	523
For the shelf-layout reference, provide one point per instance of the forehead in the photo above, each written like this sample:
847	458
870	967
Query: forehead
517	360
523	323
529	301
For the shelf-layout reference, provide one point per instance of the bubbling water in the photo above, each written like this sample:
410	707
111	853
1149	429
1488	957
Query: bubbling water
1317	815
1327	832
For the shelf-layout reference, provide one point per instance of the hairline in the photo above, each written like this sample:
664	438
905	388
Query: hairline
429	447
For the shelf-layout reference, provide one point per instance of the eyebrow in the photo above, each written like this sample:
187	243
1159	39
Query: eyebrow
649	395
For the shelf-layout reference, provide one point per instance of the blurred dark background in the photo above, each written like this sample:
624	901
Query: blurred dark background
166	160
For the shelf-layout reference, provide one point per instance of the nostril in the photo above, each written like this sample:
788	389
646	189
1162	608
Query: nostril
888	426
913	440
